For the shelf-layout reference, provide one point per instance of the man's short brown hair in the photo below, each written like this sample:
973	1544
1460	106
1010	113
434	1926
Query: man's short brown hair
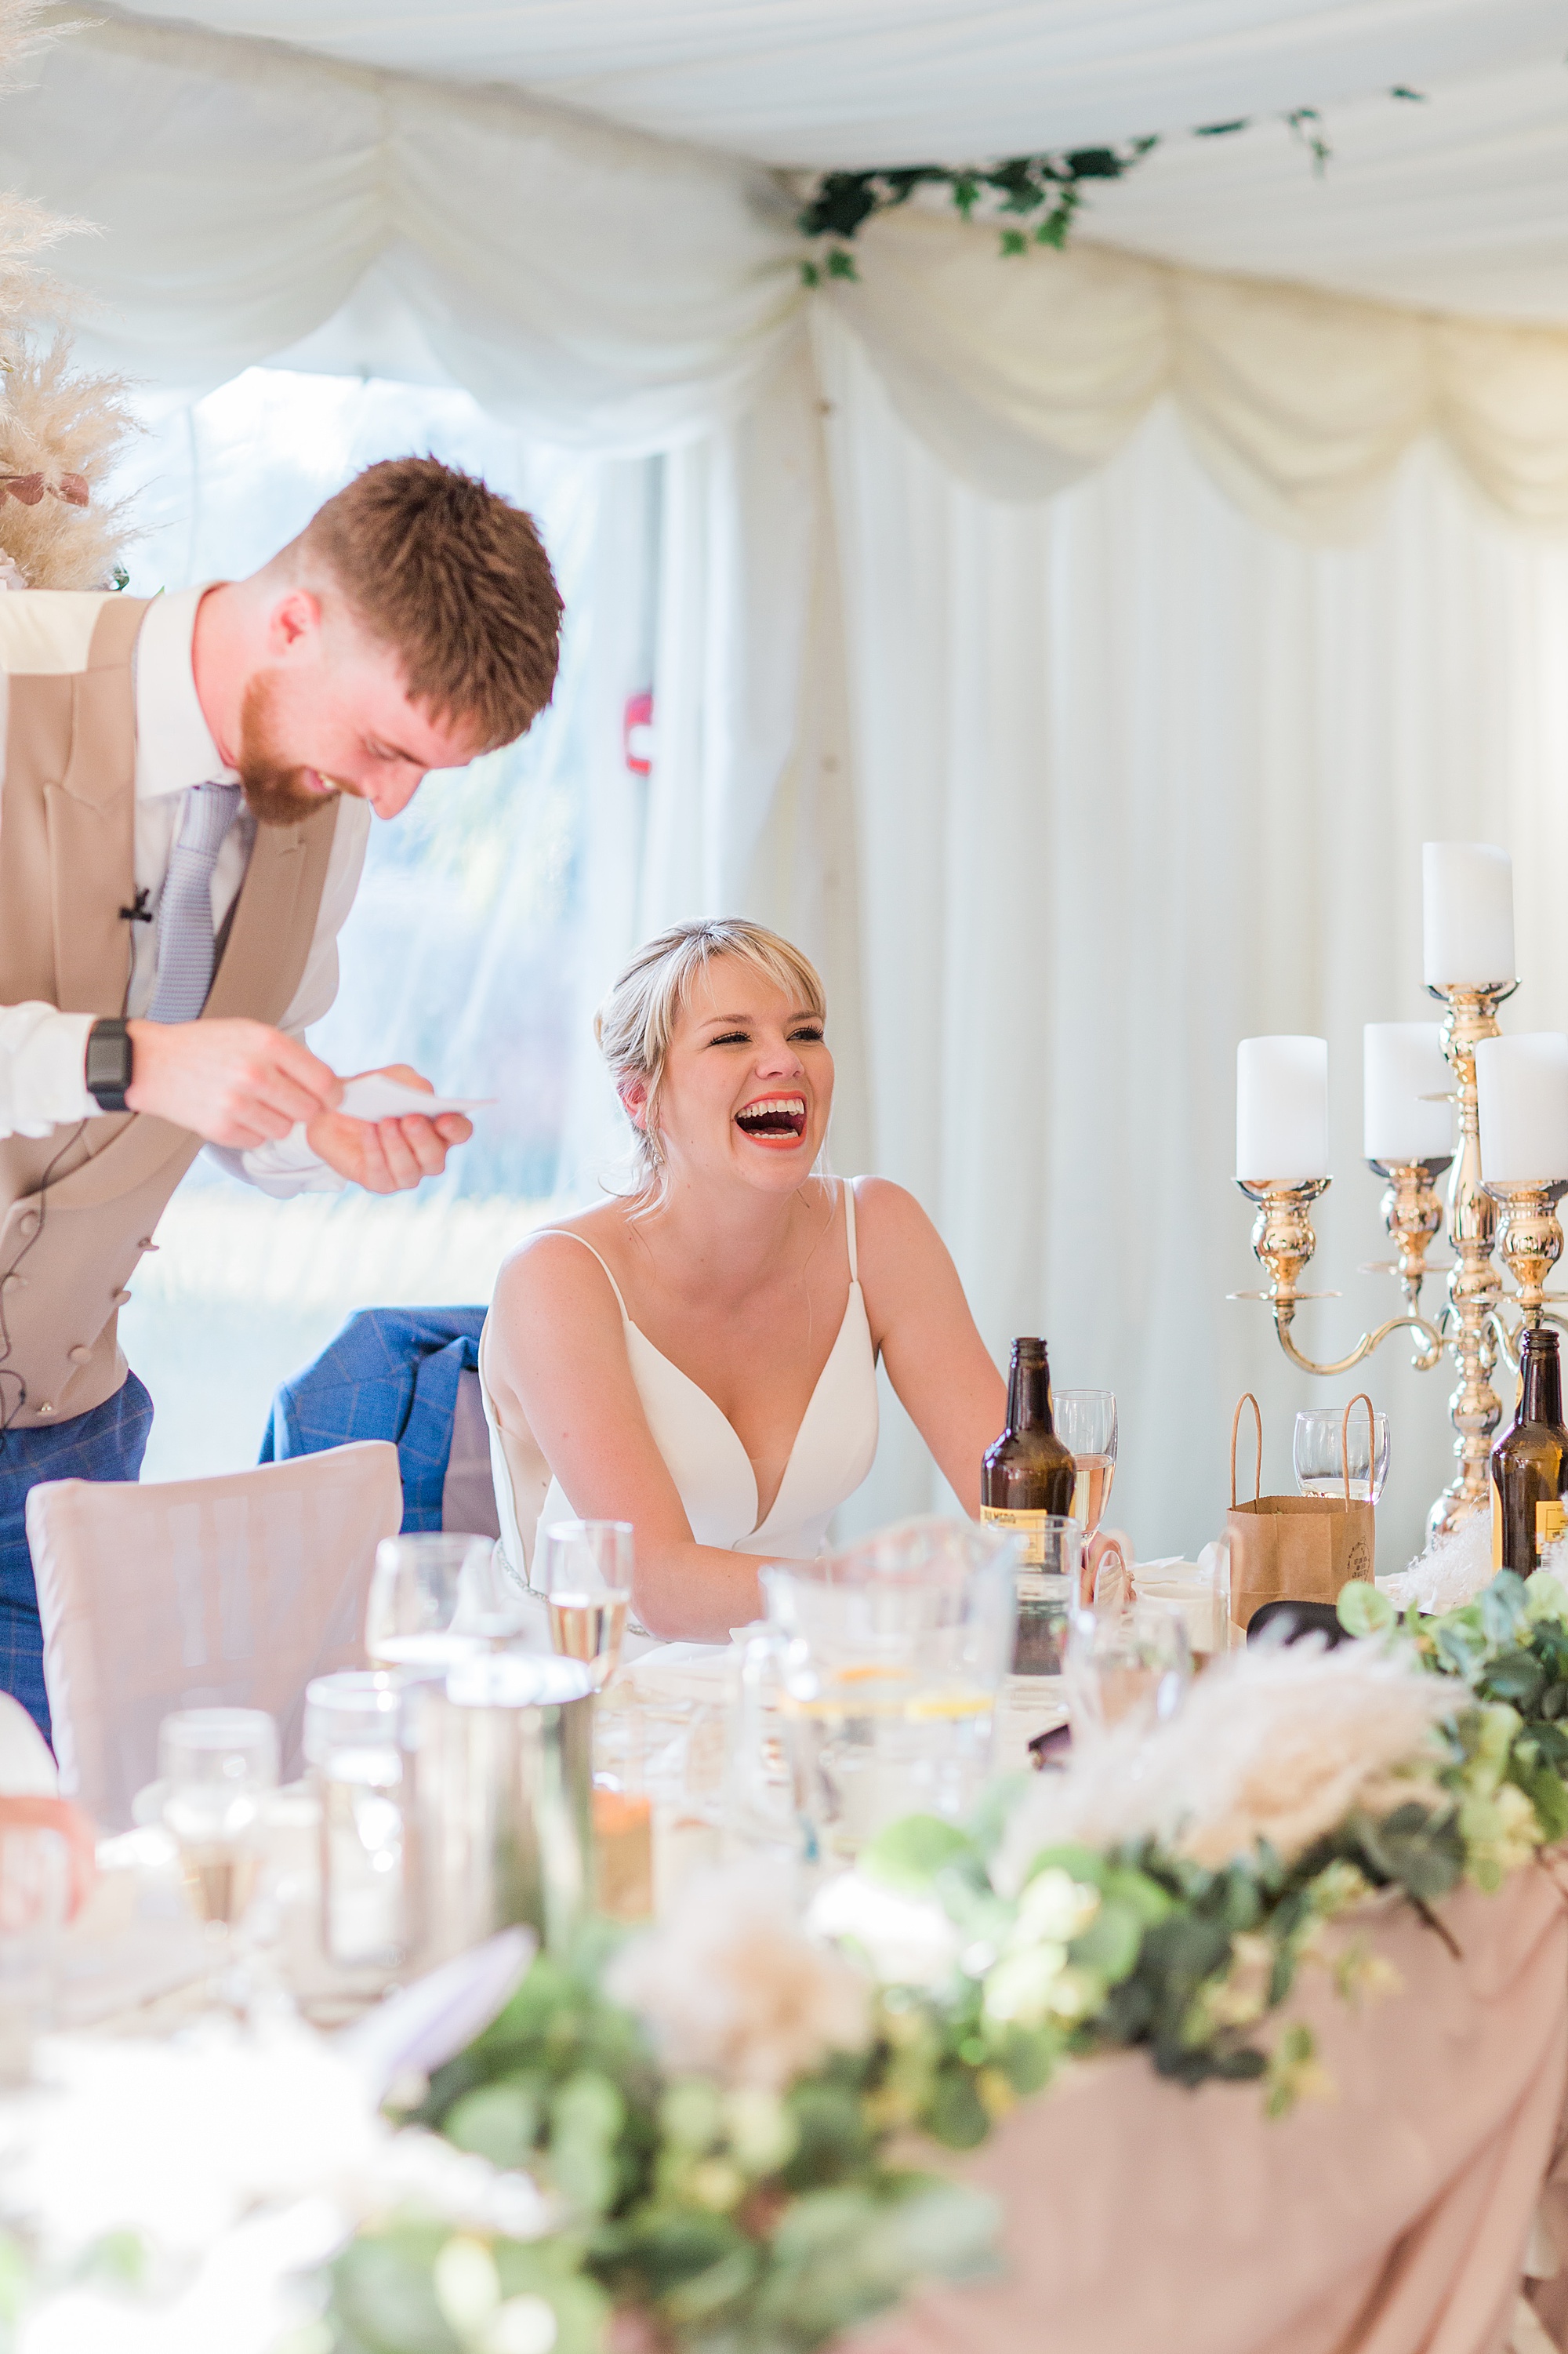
456	580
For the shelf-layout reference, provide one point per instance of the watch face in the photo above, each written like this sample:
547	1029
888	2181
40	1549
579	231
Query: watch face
107	1068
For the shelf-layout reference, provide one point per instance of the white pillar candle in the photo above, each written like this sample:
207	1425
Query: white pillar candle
1282	1110
1521	1084
1404	1063
1466	905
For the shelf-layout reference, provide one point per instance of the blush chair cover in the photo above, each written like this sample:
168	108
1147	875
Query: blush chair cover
1392	2219
192	1592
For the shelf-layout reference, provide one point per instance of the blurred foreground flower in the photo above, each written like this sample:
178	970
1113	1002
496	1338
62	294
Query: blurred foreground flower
734	1988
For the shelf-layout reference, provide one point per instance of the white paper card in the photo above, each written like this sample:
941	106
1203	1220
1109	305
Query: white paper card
376	1097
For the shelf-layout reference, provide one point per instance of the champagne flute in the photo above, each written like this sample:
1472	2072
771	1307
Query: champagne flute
1321	1449
218	1767
586	1572
1087	1424
435	1600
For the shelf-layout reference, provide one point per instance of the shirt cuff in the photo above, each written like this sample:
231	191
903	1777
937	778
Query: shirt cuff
282	1168
43	1069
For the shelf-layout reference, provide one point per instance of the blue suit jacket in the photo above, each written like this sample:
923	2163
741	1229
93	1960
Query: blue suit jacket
391	1372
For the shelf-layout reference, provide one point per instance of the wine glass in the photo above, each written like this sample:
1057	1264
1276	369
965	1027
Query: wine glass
436	1599
1136	1665
217	1767
1086	1425
586	1572
1319	1461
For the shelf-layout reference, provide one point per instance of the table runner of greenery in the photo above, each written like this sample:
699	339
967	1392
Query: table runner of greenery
727	2112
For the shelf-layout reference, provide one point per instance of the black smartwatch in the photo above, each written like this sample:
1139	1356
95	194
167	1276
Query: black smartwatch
108	1071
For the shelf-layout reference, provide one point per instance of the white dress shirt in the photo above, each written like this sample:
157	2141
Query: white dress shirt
42	1051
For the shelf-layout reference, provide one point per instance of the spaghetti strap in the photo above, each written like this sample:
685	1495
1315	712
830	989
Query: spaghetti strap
848	1184
566	1235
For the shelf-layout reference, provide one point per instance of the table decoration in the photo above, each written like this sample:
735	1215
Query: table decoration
1509	1217
730	2108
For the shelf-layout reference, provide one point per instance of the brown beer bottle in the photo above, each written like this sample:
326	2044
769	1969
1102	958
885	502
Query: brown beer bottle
1530	1461
1027	1473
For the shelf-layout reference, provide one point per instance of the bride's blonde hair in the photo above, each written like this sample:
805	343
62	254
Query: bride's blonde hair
635	1024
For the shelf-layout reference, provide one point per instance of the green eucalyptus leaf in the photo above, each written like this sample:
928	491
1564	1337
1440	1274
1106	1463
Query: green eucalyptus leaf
1363	1609
500	2121
909	1854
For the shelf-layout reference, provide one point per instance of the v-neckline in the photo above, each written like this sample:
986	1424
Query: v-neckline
759	1519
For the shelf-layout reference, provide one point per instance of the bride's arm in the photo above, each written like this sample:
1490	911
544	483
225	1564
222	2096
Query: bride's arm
931	1344
558	1348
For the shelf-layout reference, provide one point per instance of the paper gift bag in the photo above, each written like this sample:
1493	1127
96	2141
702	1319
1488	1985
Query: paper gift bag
1296	1548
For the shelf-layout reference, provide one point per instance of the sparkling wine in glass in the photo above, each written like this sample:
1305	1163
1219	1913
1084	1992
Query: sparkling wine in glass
218	1767
586	1572
1085	1423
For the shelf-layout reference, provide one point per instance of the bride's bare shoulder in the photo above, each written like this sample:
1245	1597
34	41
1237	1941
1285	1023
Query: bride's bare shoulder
551	1266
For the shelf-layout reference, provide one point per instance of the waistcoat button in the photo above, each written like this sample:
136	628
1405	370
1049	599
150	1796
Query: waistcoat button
80	1355
27	1223
45	1407
13	1282
118	1297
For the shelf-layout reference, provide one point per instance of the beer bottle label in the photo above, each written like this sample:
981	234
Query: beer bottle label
1030	1527
1551	1522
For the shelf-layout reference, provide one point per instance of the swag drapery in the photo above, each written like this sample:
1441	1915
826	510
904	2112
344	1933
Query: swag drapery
1071	651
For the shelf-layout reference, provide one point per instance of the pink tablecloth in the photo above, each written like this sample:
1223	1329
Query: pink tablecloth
1141	2219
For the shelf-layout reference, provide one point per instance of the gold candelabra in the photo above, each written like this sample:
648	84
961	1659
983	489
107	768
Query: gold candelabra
1471	1328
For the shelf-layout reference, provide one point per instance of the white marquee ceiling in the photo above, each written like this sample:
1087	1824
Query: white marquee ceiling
1461	201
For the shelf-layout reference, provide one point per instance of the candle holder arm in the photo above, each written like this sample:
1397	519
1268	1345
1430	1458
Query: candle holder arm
1283	1238
1423	1359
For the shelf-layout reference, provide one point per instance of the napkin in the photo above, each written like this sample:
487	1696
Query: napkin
376	1097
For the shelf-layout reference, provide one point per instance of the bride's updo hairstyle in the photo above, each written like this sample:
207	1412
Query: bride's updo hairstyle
636	1022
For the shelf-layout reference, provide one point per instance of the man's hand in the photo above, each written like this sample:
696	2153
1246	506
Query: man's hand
388	1156
234	1083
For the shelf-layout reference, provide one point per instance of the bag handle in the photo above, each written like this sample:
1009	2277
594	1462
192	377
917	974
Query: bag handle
1361	1398
1247	1398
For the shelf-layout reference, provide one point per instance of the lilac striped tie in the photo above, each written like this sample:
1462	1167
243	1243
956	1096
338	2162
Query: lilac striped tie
187	946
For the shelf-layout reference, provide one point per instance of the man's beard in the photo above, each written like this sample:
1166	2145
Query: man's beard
275	793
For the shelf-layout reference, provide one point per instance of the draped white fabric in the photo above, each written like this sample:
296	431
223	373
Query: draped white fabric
612	293
1021	376
604	290
863	83
1135	779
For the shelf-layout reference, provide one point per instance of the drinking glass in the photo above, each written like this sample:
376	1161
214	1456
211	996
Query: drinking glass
1047	1595
1134	1666
217	1767
355	1757
1085	1423
1320	1462
586	1573
438	1600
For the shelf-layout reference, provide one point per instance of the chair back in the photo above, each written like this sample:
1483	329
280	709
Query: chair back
190	1593
467	1491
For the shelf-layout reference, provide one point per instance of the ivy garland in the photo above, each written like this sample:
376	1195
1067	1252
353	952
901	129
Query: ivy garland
1044	190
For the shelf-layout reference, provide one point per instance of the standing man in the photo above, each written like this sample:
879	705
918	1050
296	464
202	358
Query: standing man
187	789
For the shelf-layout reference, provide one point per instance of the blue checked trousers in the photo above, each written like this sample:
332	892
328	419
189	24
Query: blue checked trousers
107	1443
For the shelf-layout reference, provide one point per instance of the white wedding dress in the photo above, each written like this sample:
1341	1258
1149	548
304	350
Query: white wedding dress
833	1450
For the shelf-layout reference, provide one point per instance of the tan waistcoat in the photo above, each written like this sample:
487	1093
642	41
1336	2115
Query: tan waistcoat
78	1207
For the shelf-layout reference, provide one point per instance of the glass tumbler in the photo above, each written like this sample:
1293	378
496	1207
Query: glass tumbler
1133	1667
1323	1444
1047	1596
217	1767
355	1758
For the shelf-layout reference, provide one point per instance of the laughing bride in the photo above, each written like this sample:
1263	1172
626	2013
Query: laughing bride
699	1356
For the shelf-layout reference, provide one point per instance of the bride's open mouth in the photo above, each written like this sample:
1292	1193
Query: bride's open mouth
773	1119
